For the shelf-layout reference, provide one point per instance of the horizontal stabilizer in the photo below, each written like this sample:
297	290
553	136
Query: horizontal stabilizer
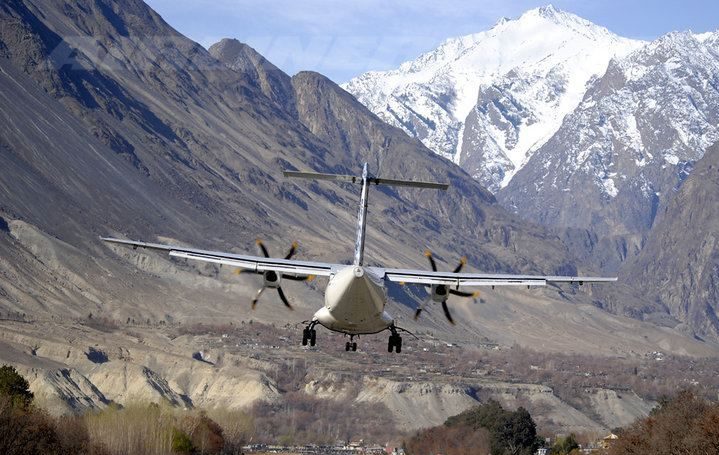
320	176
412	183
371	180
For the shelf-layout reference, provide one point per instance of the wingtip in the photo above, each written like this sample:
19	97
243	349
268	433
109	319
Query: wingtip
427	253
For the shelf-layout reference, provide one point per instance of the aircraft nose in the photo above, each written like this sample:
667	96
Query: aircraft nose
358	272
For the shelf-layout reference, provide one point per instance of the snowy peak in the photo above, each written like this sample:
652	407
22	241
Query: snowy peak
537	66
565	19
629	145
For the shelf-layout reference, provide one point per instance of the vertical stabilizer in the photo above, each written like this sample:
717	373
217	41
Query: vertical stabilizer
362	218
366	180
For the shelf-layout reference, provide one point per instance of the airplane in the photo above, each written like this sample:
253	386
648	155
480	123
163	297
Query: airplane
355	295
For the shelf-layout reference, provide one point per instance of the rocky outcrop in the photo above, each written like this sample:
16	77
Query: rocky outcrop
622	154
679	265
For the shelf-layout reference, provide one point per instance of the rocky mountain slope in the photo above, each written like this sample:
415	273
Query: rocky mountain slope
625	150
489	100
679	266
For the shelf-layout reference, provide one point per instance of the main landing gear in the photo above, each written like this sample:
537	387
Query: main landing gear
309	334
351	345
395	341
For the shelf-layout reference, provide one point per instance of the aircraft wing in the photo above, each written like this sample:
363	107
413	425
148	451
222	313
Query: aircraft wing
481	279
245	262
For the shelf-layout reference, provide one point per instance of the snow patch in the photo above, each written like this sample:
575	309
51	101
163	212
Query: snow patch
671	159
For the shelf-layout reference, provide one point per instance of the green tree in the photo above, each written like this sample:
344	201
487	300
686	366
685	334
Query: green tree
15	387
510	432
517	433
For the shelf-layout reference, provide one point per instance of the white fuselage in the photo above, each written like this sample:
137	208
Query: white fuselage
354	303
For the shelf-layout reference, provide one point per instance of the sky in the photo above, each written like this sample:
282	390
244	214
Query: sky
342	39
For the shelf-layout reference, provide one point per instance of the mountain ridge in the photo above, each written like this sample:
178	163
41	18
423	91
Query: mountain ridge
432	96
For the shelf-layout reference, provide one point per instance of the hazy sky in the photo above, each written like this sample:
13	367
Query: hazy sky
342	39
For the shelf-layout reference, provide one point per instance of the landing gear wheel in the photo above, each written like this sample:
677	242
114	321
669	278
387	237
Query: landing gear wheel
348	346
395	342
309	334
305	336
354	347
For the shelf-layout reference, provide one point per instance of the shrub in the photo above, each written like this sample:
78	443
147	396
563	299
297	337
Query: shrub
31	431
206	435
564	446
181	442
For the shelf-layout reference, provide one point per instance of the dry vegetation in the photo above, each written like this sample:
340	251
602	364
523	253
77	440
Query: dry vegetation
136	429
683	425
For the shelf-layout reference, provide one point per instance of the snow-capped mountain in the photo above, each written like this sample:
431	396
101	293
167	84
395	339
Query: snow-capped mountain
488	100
630	143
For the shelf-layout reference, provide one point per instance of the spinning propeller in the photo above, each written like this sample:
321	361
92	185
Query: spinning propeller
273	280
440	292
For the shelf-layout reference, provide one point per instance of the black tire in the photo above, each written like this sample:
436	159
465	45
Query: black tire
398	345
390	344
313	337
354	347
305	337
347	346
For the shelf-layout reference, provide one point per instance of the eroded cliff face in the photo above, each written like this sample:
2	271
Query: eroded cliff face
77	369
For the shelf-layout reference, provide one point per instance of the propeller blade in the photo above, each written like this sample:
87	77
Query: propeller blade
284	298
263	248
298	278
462	263
431	260
464	294
291	253
447	314
257	297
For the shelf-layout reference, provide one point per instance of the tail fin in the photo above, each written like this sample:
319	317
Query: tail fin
366	179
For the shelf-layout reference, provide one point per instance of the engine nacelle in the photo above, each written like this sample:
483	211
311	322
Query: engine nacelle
439	293
272	279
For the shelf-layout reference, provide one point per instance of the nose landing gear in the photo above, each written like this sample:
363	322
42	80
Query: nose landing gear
351	345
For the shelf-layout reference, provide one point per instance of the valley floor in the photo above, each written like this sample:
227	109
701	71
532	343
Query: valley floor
85	365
